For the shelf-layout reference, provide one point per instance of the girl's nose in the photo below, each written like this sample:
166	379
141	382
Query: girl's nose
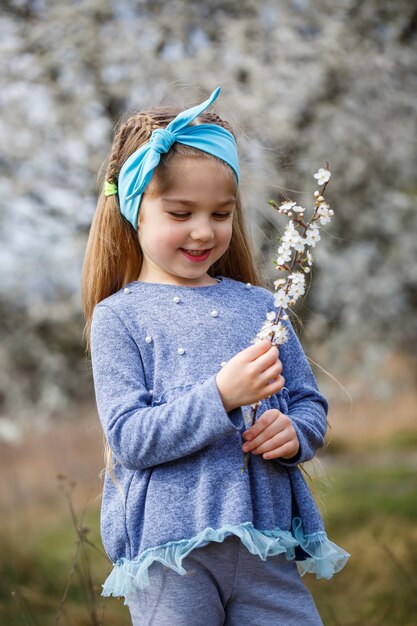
203	232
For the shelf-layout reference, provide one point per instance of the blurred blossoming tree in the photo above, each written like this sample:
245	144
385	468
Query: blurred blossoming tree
301	81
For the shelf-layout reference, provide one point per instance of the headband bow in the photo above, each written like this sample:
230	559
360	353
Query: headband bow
138	169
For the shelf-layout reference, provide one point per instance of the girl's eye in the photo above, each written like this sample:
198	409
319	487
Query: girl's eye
223	216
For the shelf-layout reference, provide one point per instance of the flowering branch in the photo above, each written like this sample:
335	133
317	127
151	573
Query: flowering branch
294	259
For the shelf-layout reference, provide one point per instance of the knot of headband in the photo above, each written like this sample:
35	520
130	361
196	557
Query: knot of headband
138	169
161	140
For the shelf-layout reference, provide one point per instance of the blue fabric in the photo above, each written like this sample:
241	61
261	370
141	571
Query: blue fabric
225	585
324	558
129	574
156	350
136	173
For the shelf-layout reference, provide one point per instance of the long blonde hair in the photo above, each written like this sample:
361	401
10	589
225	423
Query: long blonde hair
113	255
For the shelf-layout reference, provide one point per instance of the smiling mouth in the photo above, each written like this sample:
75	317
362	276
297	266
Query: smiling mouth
196	252
196	256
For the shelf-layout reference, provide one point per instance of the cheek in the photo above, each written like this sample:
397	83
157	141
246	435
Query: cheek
226	231
167	237
172	232
163	231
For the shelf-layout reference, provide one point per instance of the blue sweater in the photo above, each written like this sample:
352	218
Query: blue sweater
156	350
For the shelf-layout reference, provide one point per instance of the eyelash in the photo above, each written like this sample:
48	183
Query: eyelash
184	215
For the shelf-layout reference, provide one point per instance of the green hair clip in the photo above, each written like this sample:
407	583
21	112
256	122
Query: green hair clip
110	189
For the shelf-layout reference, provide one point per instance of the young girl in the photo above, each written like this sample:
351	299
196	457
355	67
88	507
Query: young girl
172	302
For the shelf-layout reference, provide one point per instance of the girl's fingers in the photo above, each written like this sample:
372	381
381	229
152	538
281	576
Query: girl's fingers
286	451
269	424
254	351
270	443
273	435
265	359
285	444
270	373
275	443
274	386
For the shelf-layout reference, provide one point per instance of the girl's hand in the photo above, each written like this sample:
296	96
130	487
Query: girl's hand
251	375
273	436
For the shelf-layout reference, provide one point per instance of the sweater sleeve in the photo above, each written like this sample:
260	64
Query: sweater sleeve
307	406
140	435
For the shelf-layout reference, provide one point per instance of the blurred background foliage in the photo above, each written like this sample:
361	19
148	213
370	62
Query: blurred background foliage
303	82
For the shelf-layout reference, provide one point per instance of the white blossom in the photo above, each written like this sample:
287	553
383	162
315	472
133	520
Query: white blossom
290	239
297	278
297	285
281	299
299	244
285	207
283	257
296	290
262	334
324	219
323	176
290	232
278	282
268	329
265	331
281	334
284	247
312	236
325	213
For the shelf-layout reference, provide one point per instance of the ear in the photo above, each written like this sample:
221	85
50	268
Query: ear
139	221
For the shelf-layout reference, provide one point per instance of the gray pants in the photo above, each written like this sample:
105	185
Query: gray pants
225	585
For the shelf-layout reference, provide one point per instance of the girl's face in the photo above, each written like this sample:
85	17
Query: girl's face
193	215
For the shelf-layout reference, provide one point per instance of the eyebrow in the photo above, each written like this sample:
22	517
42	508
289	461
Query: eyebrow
192	203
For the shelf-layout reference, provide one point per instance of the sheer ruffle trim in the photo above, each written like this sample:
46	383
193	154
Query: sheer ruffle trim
323	557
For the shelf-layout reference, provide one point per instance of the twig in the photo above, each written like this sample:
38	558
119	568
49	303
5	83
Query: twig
22	605
406	575
69	581
80	561
294	284
332	616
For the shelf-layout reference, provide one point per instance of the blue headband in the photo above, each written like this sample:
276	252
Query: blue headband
137	171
